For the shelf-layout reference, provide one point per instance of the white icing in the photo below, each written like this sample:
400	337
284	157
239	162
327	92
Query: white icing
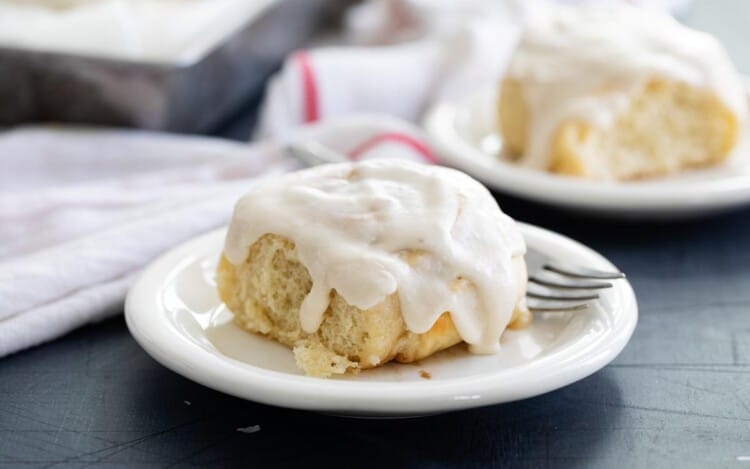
588	63
173	31
354	225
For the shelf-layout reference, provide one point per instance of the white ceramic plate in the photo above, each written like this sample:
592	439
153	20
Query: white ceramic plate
174	313
464	134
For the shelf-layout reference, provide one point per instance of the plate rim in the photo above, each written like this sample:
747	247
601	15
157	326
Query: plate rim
643	197
178	353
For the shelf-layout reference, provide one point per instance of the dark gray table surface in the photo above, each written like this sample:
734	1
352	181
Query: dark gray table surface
678	396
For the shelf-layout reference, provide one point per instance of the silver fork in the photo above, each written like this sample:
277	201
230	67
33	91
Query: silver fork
555	288
549	285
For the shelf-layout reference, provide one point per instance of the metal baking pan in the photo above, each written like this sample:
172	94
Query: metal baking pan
196	97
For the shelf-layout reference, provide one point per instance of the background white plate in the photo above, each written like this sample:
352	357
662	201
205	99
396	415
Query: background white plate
173	311
464	134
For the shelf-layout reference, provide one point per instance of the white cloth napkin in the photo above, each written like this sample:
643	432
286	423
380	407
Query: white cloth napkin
398	56
82	211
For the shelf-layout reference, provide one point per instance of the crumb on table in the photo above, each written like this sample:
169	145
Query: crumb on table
250	429
425	374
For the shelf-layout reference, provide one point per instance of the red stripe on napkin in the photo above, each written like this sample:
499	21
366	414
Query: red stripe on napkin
309	88
396	137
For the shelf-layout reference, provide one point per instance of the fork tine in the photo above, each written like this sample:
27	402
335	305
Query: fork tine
542	296
558	309
584	273
570	286
312	153
303	156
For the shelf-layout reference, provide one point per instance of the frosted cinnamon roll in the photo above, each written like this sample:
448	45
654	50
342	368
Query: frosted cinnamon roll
618	93
354	265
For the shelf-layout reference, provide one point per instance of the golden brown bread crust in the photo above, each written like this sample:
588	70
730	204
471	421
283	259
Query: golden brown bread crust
266	291
513	117
669	126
